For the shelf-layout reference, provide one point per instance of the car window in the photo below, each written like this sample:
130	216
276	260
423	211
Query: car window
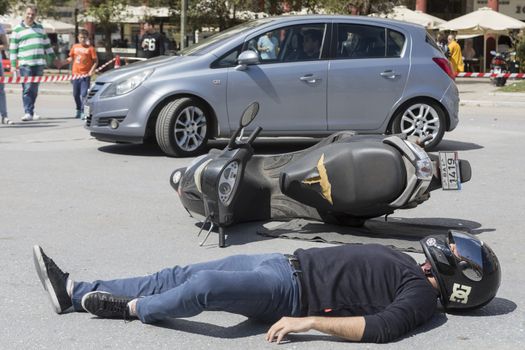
366	41
229	59
215	40
304	42
395	43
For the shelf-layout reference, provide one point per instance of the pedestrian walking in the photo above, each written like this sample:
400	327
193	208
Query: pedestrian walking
3	103
85	61
368	293
31	49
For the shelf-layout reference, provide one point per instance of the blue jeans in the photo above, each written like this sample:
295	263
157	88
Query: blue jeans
80	89
262	286
3	103
30	90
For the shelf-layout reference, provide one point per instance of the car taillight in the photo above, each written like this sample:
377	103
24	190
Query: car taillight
445	65
498	61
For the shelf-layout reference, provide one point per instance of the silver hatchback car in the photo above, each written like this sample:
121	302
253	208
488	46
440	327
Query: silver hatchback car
312	75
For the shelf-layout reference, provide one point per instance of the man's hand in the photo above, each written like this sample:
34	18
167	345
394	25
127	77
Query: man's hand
288	325
349	328
59	64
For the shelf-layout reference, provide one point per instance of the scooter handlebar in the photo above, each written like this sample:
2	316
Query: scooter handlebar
254	135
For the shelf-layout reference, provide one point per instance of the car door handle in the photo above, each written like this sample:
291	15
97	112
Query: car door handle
390	74
310	79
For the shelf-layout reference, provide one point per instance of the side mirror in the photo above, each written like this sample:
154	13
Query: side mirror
493	52
247	117
249	114
247	58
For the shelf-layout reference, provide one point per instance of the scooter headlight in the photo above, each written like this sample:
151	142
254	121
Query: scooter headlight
227	182
423	164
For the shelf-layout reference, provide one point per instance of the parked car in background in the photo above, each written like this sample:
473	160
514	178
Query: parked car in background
366	74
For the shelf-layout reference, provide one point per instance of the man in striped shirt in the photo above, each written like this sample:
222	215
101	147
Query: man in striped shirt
31	47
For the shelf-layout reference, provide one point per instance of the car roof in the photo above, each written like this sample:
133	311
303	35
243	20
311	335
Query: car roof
369	19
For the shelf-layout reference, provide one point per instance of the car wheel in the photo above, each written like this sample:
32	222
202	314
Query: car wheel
421	118
182	128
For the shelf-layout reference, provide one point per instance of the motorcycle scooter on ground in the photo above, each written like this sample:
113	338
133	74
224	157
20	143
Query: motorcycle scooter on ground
344	179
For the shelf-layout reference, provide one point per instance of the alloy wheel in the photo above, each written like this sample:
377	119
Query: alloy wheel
420	120
190	128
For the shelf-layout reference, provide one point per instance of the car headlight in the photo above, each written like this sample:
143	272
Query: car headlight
127	85
227	182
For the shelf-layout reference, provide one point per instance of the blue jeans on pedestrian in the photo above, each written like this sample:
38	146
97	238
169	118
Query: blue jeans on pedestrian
30	90
3	102
80	89
263	287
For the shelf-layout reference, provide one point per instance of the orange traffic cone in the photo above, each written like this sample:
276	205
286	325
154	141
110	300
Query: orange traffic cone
117	62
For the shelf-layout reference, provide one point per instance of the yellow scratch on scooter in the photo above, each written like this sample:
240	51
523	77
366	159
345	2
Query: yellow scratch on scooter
322	180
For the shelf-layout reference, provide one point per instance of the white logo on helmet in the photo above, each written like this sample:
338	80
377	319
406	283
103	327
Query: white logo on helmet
431	242
460	293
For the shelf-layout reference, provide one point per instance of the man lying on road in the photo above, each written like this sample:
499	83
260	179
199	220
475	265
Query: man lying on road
368	293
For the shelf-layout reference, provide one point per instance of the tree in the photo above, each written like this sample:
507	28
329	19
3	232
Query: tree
360	7
4	6
106	14
46	8
215	13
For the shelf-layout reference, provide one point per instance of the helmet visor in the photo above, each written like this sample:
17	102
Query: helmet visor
467	250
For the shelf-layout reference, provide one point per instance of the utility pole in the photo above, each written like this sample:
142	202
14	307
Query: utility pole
183	7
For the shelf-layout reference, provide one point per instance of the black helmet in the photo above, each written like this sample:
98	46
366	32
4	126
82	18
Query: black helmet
467	270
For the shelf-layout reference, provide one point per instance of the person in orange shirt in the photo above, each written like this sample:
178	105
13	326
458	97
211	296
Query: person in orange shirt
84	58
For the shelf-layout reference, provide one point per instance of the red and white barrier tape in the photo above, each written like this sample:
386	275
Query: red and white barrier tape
491	75
55	78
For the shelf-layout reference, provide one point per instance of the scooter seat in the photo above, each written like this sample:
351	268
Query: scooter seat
359	178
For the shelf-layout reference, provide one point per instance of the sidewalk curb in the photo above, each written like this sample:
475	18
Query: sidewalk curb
18	91
481	103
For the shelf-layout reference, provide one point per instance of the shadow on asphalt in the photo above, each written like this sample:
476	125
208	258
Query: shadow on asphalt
33	125
497	307
244	329
436	321
239	234
453	145
397	231
266	146
141	150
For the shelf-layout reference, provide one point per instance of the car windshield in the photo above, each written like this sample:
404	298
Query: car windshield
217	39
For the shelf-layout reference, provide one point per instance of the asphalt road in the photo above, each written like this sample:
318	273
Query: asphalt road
104	211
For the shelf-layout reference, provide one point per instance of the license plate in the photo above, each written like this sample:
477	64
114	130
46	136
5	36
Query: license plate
449	169
497	70
87	111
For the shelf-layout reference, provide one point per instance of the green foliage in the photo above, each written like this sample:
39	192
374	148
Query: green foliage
513	86
361	7
46	8
4	6
106	14
520	48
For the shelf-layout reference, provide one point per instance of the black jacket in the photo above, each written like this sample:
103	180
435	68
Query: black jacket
151	45
385	286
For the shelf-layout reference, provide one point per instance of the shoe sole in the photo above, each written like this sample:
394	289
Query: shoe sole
42	274
86	296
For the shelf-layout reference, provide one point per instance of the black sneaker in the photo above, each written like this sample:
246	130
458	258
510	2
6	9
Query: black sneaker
53	279
106	305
